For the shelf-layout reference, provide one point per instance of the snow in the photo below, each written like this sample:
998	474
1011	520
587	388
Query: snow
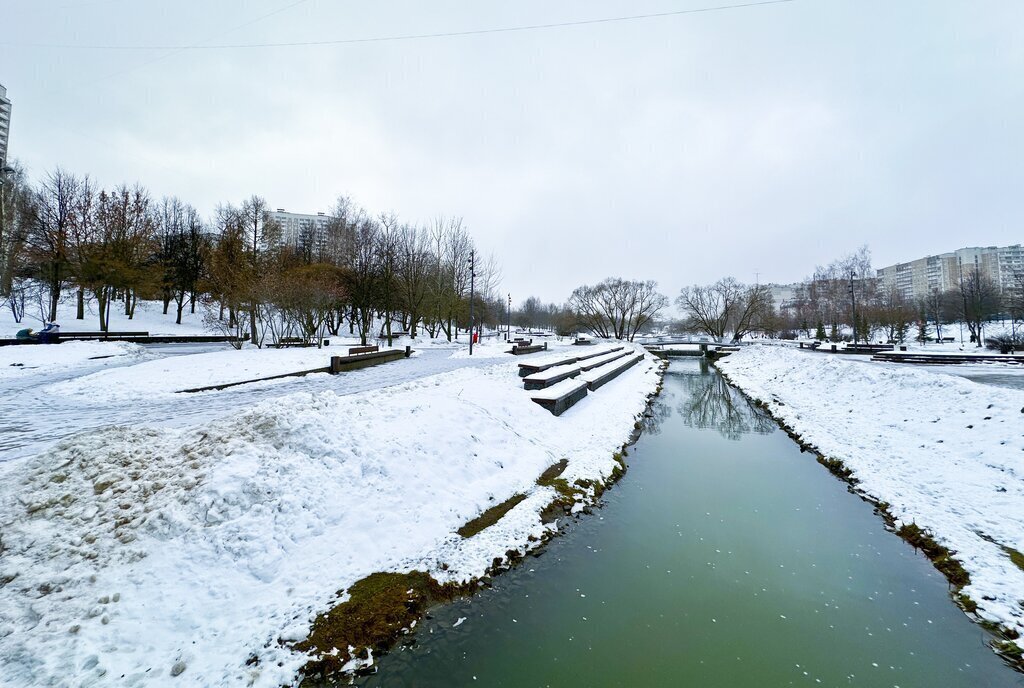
551	373
559	389
137	551
27	360
943	452
595	374
148	317
174	374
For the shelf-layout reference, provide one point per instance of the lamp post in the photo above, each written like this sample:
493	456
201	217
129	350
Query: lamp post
508	320
853	305
472	277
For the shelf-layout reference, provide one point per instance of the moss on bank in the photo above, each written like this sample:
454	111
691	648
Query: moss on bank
379	607
383	606
491	516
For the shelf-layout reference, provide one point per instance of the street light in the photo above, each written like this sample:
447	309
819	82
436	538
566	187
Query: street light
472	276
853	305
508	321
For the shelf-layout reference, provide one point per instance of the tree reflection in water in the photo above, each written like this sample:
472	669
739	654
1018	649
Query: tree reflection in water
708	401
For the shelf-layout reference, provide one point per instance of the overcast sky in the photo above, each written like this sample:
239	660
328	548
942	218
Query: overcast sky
755	142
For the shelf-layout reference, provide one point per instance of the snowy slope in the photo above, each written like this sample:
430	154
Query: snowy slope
173	374
128	550
148	317
944	452
23	361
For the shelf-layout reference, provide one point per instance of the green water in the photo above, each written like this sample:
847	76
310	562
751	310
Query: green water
724	558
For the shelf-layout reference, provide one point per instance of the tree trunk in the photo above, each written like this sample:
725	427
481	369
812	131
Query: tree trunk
252	327
80	312
103	302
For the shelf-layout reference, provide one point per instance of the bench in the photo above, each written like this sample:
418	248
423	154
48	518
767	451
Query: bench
66	336
521	350
288	342
597	377
581	341
560	397
946	359
538	366
340	364
592	362
551	376
352	350
599	352
867	348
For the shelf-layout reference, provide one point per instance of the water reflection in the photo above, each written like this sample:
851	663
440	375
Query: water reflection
710	402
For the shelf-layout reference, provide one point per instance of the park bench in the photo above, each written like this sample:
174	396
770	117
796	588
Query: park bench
560	397
355	361
599	376
867	348
76	336
945	359
518	350
551	376
352	350
583	341
288	342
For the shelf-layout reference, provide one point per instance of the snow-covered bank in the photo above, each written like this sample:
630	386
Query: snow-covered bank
943	452
174	374
148	317
33	359
127	551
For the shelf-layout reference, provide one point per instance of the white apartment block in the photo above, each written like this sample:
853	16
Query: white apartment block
297	229
5	124
784	296
918	278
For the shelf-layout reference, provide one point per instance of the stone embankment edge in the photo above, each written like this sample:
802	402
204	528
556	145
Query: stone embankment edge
334	665
1003	639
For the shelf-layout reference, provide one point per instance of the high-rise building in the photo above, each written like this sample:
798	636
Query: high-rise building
298	229
5	124
918	278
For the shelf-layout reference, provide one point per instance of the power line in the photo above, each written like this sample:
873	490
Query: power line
174	51
406	37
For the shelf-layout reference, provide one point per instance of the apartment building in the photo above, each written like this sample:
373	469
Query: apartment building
5	124
298	229
918	278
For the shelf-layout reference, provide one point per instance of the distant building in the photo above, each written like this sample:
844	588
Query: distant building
5	124
300	230
918	278
784	296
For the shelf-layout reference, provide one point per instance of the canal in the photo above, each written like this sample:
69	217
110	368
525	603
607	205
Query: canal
724	558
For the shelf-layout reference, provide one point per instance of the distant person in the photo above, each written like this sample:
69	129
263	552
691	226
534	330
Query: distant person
49	333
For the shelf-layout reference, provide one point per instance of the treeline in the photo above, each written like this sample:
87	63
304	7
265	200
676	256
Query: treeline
843	301
373	275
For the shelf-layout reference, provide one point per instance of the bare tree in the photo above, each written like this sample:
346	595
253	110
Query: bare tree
617	308
727	305
49	233
979	299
